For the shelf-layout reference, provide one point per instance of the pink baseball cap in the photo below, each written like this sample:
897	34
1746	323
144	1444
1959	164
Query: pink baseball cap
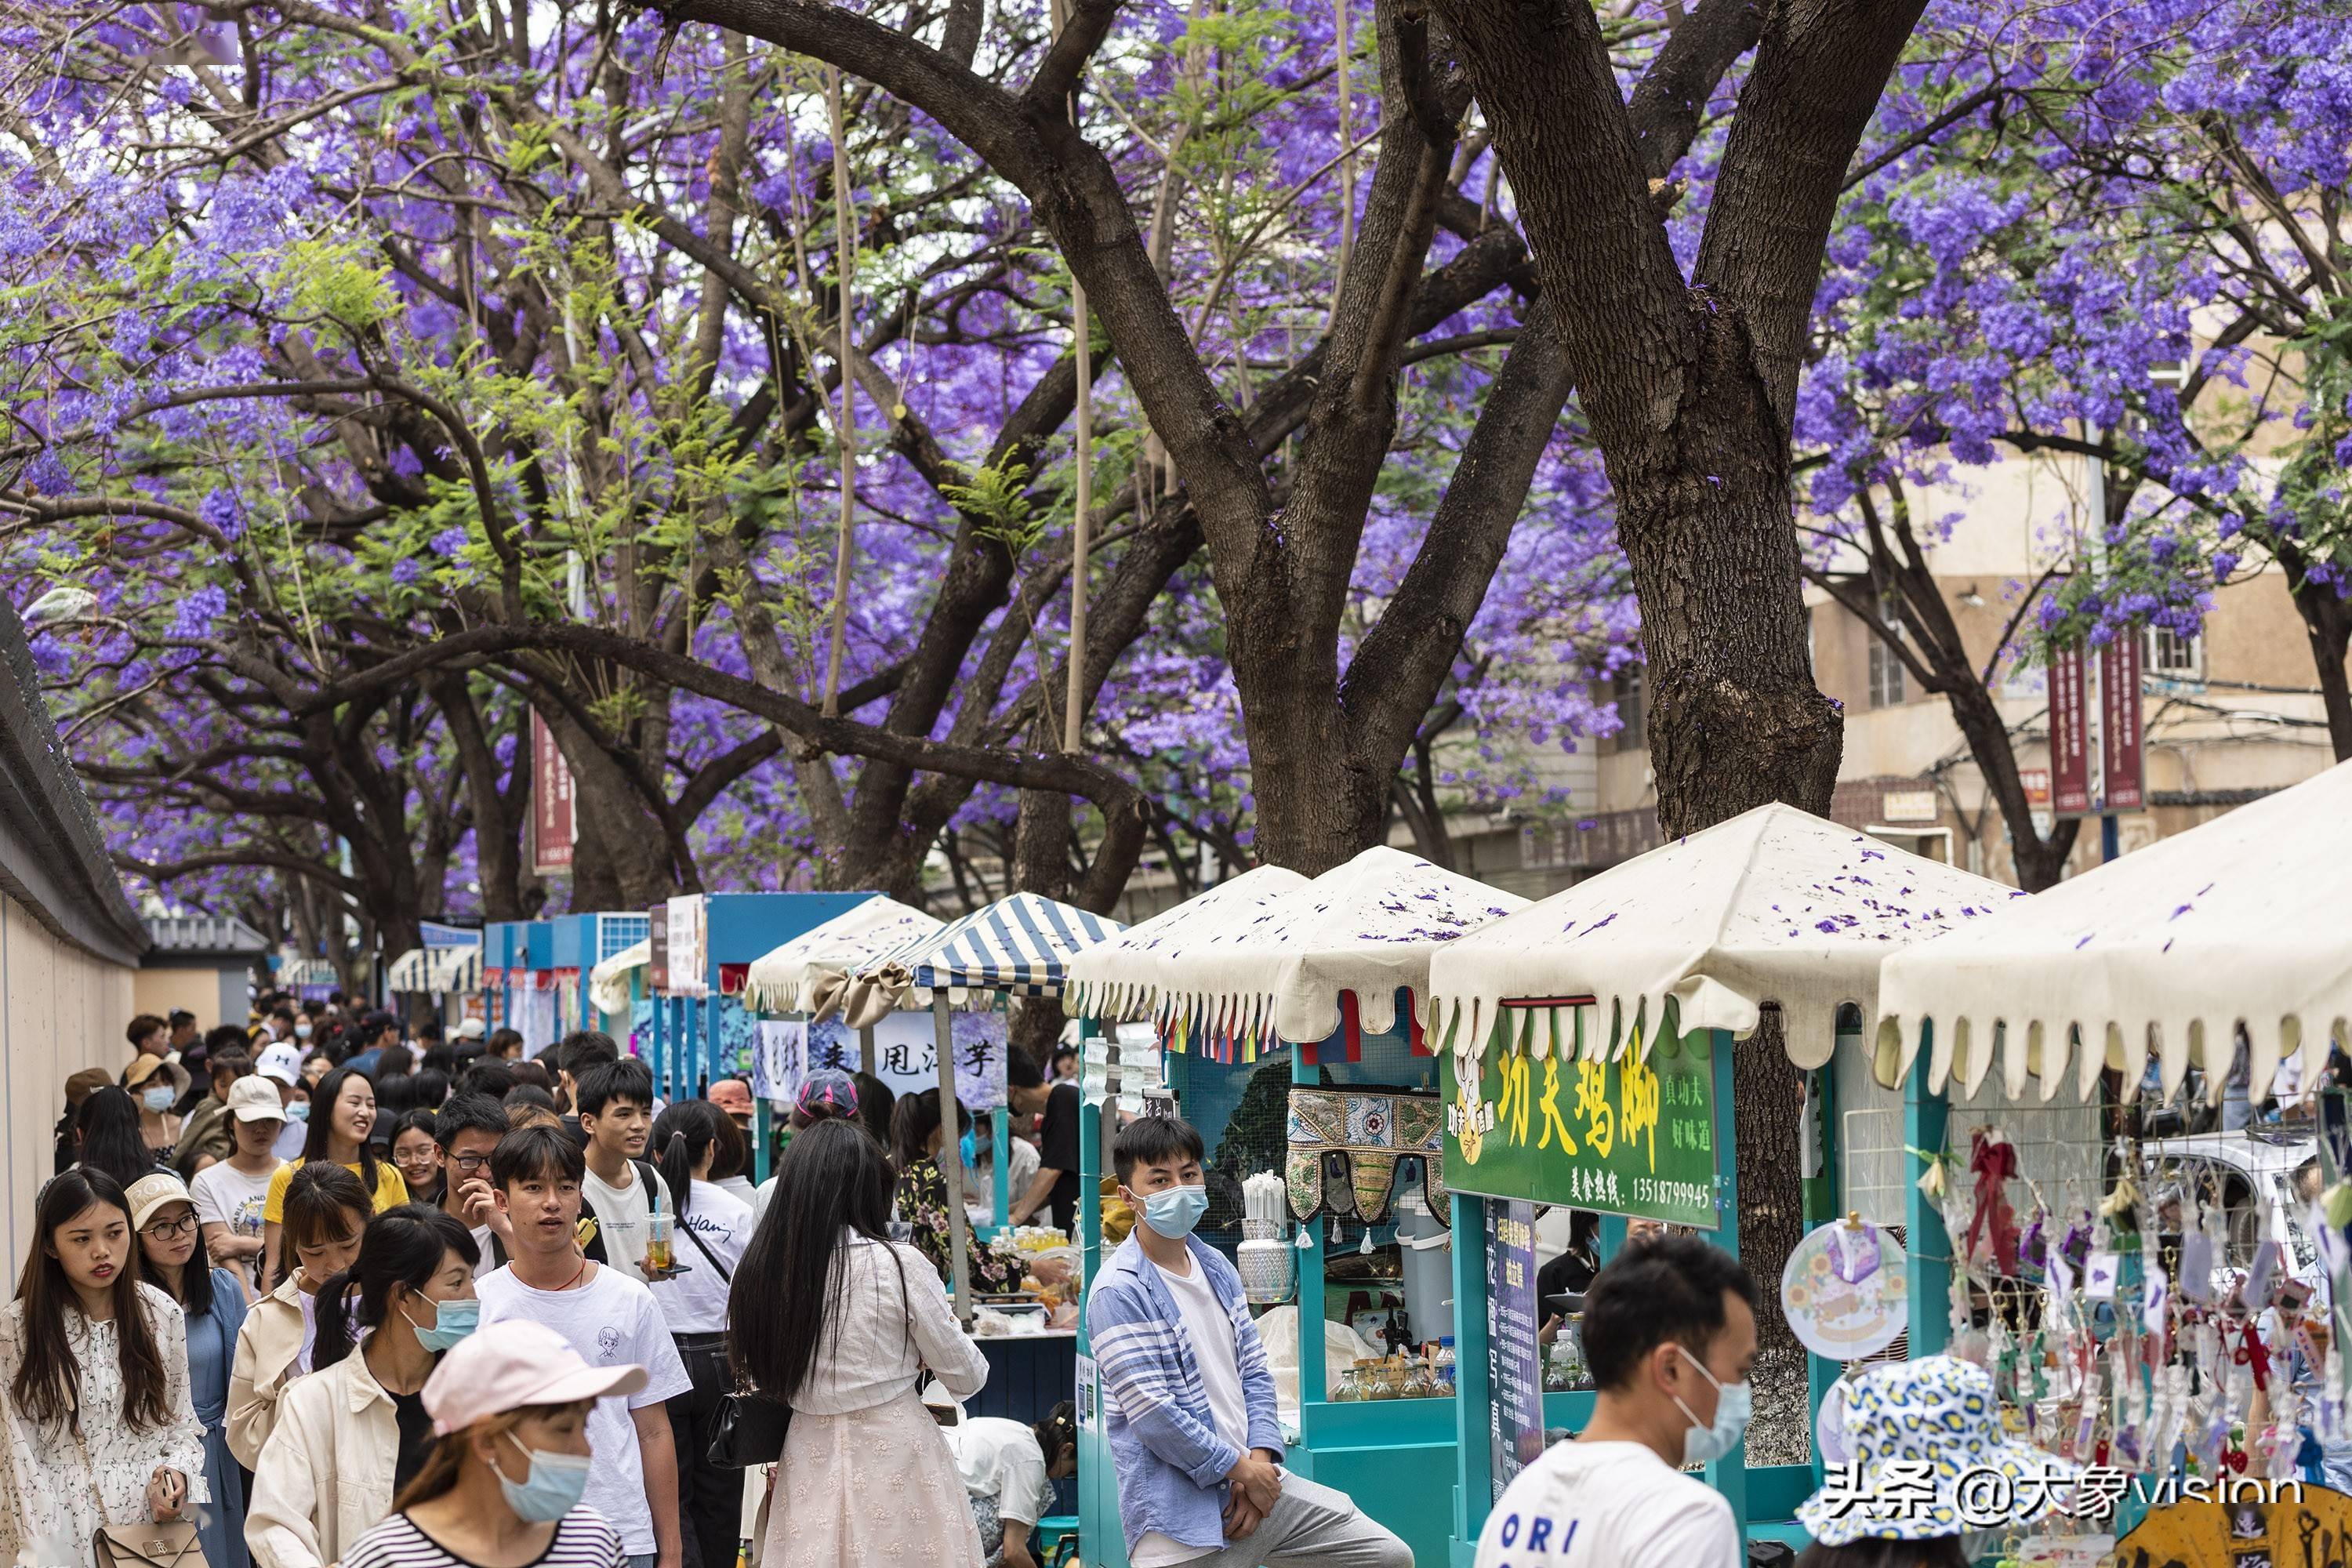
505	1366
732	1095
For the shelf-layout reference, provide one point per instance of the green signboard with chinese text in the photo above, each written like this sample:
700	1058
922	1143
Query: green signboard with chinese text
1629	1136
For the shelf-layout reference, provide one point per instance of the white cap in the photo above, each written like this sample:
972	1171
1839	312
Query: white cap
148	1193
506	1365
472	1029
281	1062
252	1099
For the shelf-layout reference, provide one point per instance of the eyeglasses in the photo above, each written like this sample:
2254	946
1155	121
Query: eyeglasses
170	1229
469	1163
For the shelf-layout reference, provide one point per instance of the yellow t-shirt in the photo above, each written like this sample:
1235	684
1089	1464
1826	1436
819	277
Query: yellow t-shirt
389	1189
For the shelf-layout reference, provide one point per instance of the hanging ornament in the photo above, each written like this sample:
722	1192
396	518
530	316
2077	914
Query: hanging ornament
1844	1291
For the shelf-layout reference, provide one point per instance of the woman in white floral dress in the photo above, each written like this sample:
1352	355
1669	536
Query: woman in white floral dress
99	1426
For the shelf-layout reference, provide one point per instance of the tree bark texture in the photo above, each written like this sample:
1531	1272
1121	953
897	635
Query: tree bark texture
1767	1115
1688	385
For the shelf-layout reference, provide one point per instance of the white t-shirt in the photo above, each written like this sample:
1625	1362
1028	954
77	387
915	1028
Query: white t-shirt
620	1216
1214	1351
695	1301
610	1321
226	1195
1001	1459
489	1263
1609	1505
741	1186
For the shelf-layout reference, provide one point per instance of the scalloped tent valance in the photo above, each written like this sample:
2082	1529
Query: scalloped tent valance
1366	928
810	972
1776	905
2244	921
1123	978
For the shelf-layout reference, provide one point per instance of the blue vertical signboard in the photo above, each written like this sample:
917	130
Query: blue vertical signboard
1514	1364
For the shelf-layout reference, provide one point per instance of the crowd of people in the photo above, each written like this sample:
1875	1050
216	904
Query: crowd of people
333	1291
329	1289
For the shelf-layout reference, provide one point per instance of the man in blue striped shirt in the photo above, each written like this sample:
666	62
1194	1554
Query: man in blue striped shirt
1191	1418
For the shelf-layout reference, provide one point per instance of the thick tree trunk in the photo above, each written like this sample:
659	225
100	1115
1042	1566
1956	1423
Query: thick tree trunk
623	856
1766	1113
1705	514
498	829
2329	628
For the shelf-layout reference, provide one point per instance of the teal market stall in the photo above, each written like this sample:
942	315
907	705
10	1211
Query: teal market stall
1588	1063
808	981
1018	946
1290	1014
700	948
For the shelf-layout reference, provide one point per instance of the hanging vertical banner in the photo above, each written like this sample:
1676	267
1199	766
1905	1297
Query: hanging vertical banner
1514	1363
2122	751
658	949
688	951
554	823
2070	733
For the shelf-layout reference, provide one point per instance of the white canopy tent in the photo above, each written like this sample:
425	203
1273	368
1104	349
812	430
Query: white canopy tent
608	982
810	973
1368	927
1776	905
2241	922
1122	978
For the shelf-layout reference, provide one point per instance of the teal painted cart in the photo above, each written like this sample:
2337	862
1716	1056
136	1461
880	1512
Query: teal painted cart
1243	974
1616	1004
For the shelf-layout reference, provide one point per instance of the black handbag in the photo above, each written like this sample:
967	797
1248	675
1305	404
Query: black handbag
750	1430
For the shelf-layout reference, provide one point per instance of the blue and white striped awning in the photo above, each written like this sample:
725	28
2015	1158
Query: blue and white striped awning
437	970
1016	945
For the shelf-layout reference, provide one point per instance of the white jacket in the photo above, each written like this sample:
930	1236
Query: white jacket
325	1476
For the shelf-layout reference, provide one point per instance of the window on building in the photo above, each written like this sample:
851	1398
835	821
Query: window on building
1633	708
2172	656
1886	675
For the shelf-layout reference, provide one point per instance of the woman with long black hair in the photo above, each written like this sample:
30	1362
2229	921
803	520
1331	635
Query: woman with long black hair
342	1114
714	1227
110	1140
350	1436
212	1301
99	1426
831	1317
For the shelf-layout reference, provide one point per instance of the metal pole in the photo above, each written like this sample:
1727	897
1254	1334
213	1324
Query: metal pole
846	426
865	1048
959	1225
2095	495
1081	522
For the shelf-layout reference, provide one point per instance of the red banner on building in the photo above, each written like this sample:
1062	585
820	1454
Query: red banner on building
2070	733
2122	751
553	825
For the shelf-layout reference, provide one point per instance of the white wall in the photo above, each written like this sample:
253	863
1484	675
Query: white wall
61	1010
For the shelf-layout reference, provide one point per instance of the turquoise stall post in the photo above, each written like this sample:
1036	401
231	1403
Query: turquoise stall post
1929	1247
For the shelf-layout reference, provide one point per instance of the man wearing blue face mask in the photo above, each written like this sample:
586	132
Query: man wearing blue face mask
1670	1334
1191	1421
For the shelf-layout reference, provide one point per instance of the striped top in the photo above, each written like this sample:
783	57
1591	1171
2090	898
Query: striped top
1017	945
582	1540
